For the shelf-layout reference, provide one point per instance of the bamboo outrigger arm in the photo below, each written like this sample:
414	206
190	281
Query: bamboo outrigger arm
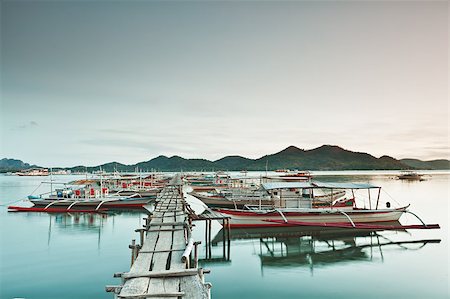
53	202
348	217
424	224
282	215
72	204
100	204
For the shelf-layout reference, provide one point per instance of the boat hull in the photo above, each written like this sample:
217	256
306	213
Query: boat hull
73	204
243	218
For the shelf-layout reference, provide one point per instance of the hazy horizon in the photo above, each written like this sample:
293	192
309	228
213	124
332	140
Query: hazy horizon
213	160
100	81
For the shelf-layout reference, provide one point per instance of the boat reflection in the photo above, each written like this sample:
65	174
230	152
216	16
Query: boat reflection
79	222
315	247
84	223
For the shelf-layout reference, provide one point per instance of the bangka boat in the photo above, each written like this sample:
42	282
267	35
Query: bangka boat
410	175
33	172
227	200
271	194
301	216
107	202
304	214
289	177
90	196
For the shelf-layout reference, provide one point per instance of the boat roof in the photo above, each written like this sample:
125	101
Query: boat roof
346	185
287	185
82	182
315	184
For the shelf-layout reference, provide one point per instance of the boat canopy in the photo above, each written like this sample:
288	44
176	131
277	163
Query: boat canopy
287	185
82	182
348	185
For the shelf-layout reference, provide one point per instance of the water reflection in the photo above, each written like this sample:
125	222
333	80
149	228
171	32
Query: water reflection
78	222
82	223
312	248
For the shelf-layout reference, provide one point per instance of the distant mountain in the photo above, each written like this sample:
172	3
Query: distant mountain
326	157
7	165
233	162
175	163
110	167
432	164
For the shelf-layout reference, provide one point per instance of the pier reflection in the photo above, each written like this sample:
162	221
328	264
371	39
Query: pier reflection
315	247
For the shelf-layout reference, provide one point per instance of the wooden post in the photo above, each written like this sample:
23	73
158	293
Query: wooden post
228	237
132	246
206	237
223	237
146	224
186	257
138	248
196	253
141	235
209	237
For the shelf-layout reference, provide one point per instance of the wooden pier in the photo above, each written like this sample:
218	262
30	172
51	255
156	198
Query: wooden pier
208	216
162	265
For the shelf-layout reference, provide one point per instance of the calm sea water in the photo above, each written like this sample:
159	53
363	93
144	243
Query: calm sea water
75	256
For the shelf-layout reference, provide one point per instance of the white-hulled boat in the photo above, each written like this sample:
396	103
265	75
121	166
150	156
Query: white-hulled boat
239	198
92	195
410	175
299	216
106	202
302	212
33	172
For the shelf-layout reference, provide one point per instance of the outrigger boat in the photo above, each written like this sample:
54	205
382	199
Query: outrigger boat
107	202
289	177
268	195
300	211
228	200
410	175
89	198
33	172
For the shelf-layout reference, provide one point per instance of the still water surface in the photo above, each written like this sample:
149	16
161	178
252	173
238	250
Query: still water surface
46	256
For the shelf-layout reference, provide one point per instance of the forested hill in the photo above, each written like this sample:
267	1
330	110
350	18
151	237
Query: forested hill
326	157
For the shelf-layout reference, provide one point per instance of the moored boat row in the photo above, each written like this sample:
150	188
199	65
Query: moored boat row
97	194
303	202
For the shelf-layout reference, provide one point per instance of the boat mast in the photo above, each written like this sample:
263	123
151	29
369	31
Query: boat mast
378	197
140	180
101	183
51	182
86	185
331	201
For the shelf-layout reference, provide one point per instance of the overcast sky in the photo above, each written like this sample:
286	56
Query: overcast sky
88	82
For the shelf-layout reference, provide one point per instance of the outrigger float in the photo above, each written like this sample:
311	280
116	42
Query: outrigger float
299	211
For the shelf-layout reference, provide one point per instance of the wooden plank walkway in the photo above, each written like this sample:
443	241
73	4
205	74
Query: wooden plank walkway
162	268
